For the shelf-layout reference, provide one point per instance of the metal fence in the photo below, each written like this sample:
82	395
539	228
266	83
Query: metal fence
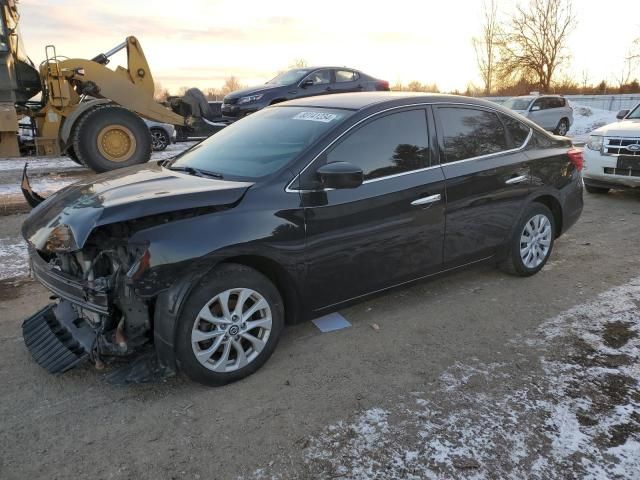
612	103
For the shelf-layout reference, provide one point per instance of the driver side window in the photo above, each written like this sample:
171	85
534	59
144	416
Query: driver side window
321	77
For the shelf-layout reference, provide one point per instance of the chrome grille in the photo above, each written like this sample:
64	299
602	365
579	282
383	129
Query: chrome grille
618	146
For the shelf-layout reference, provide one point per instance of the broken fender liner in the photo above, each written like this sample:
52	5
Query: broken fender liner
32	198
145	368
55	338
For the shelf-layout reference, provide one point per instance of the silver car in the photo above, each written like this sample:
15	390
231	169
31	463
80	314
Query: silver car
551	112
162	134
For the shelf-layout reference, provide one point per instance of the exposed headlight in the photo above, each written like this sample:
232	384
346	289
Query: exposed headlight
61	239
595	142
250	99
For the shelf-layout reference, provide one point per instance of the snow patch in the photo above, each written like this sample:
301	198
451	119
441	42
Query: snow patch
586	119
13	258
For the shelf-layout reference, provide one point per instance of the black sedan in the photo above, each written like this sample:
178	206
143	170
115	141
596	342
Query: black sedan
294	212
298	83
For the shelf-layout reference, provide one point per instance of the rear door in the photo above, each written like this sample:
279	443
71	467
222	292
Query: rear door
391	228
487	179
347	81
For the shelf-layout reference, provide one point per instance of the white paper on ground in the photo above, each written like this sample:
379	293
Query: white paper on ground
331	322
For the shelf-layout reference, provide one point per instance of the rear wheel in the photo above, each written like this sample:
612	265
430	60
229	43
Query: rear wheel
110	137
159	139
532	241
230	325
596	190
562	128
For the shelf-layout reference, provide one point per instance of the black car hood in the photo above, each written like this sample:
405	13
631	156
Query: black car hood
125	194
254	90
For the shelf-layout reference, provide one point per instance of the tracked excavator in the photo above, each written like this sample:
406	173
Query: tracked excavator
87	111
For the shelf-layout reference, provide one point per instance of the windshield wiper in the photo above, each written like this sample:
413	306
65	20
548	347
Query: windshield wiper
197	172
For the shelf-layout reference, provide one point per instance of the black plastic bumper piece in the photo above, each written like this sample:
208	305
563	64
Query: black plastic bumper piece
57	339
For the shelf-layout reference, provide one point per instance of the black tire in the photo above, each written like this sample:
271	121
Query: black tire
125	123
596	190
72	156
222	278
160	140
562	128
513	263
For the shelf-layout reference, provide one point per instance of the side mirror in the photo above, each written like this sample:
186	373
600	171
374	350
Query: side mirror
535	108
621	114
340	175
307	83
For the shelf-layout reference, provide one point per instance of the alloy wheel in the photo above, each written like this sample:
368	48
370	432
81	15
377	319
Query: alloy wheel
535	241
231	330
158	140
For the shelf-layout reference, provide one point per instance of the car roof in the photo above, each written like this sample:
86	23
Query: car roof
362	100
531	97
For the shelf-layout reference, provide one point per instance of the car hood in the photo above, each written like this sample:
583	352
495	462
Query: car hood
623	128
253	91
125	194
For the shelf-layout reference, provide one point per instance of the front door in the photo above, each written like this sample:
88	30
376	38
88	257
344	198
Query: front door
487	179
388	230
318	82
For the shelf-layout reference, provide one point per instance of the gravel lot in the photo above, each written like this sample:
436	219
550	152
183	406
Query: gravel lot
474	375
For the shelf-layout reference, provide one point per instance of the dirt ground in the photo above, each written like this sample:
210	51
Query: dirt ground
473	375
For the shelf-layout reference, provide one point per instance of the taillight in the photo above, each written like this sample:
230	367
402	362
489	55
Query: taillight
575	157
383	85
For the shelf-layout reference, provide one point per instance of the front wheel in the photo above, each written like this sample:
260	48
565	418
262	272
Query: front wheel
532	241
230	325
160	140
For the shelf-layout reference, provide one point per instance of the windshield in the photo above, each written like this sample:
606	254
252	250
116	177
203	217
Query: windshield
261	143
289	77
635	113
517	103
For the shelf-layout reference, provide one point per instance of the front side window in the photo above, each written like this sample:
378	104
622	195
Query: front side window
469	133
261	143
321	77
346	76
541	103
386	146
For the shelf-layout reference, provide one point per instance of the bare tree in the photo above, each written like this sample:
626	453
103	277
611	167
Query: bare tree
486	46
534	41
299	63
160	93
231	84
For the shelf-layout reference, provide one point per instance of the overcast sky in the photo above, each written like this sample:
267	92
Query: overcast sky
201	42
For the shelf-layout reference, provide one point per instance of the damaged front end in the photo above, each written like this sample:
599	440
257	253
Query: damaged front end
97	314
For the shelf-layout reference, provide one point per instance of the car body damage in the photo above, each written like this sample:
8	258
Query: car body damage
87	245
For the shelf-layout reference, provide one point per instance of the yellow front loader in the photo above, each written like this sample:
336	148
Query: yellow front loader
86	110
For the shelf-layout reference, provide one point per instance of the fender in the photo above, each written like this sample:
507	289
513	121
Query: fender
69	122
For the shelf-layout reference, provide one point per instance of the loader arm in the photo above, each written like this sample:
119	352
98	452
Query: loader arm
130	87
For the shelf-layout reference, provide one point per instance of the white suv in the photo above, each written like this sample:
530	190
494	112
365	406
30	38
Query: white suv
612	156
551	112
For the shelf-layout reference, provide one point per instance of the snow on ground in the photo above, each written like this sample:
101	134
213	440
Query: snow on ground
13	258
52	174
587	119
570	408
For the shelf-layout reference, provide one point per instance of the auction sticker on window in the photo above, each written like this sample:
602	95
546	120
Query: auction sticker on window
316	116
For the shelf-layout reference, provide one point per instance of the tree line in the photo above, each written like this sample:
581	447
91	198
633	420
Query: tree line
527	50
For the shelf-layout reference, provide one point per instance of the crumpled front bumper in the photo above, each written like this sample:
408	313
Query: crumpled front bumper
57	338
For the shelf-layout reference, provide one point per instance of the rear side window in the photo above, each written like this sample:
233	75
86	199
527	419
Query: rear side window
469	133
393	144
346	76
519	131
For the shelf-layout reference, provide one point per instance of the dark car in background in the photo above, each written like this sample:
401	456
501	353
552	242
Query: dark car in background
298	83
296	211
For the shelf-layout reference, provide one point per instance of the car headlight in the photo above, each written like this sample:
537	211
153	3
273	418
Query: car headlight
595	142
61	239
250	99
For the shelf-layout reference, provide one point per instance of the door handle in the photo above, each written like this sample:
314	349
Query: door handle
427	200
516	180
